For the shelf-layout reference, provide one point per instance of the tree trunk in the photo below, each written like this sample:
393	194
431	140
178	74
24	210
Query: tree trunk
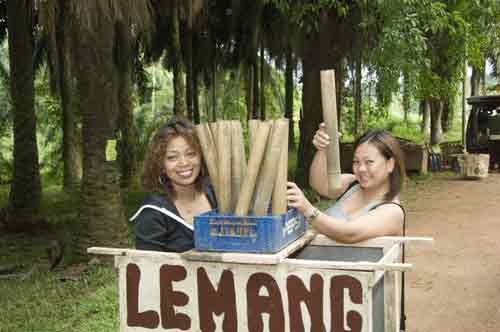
101	215
289	89
196	101
72	157
312	108
255	89
262	82
465	95
339	86
406	96
474	82
249	90
127	147
25	190
426	118
178	80
436	117
358	116
189	60
214	83
448	115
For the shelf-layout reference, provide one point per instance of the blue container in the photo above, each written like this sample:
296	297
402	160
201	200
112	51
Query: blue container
256	234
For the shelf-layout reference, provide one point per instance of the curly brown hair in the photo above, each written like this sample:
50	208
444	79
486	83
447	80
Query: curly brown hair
154	178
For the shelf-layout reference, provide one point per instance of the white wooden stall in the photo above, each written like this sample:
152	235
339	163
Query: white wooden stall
286	291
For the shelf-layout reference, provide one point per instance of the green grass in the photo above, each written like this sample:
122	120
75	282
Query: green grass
49	301
43	302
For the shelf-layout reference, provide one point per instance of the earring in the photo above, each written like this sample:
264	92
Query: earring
161	180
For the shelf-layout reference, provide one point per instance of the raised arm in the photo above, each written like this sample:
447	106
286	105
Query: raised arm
318	178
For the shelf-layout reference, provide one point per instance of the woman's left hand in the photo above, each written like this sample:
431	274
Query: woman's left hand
296	198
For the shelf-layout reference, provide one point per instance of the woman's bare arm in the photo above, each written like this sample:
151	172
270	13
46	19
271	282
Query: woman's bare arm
385	220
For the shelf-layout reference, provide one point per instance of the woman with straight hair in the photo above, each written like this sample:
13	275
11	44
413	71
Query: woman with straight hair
367	204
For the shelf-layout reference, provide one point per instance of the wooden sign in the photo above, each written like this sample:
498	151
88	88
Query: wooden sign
170	292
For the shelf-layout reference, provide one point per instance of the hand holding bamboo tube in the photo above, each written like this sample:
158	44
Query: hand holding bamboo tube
329	104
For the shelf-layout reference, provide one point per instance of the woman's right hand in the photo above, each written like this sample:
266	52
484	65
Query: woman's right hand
321	139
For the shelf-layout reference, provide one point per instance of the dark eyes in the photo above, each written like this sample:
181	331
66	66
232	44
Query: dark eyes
369	162
189	154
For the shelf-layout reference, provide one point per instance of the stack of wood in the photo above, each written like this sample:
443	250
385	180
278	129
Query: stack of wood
247	186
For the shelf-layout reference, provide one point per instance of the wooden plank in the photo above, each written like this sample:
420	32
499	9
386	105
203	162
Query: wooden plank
383	241
249	258
354	266
391	256
129	252
391	319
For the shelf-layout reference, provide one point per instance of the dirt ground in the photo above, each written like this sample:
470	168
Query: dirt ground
455	285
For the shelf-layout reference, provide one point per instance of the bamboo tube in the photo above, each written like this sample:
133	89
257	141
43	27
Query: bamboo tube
329	103
224	158
209	154
255	159
269	169
279	192
253	126
238	161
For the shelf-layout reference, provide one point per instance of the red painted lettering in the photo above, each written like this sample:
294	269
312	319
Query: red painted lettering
170	298
354	319
298	293
222	300
148	319
272	304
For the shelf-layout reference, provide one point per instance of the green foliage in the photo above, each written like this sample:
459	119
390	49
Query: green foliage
50	133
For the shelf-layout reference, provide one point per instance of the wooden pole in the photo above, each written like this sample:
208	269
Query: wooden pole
209	154
238	161
255	159
267	176
329	103
279	191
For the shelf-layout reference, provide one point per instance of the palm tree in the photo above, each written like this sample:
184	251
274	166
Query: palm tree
95	35
55	20
25	192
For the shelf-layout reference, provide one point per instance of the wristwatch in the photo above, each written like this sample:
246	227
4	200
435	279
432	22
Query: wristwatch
311	216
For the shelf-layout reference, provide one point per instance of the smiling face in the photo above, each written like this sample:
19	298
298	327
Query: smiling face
182	162
370	167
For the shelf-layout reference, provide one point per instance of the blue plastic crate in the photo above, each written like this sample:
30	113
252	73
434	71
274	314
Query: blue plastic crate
256	234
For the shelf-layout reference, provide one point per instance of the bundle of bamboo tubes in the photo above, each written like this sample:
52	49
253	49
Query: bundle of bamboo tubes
244	186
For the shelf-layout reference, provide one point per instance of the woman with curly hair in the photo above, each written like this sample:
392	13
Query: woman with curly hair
175	176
